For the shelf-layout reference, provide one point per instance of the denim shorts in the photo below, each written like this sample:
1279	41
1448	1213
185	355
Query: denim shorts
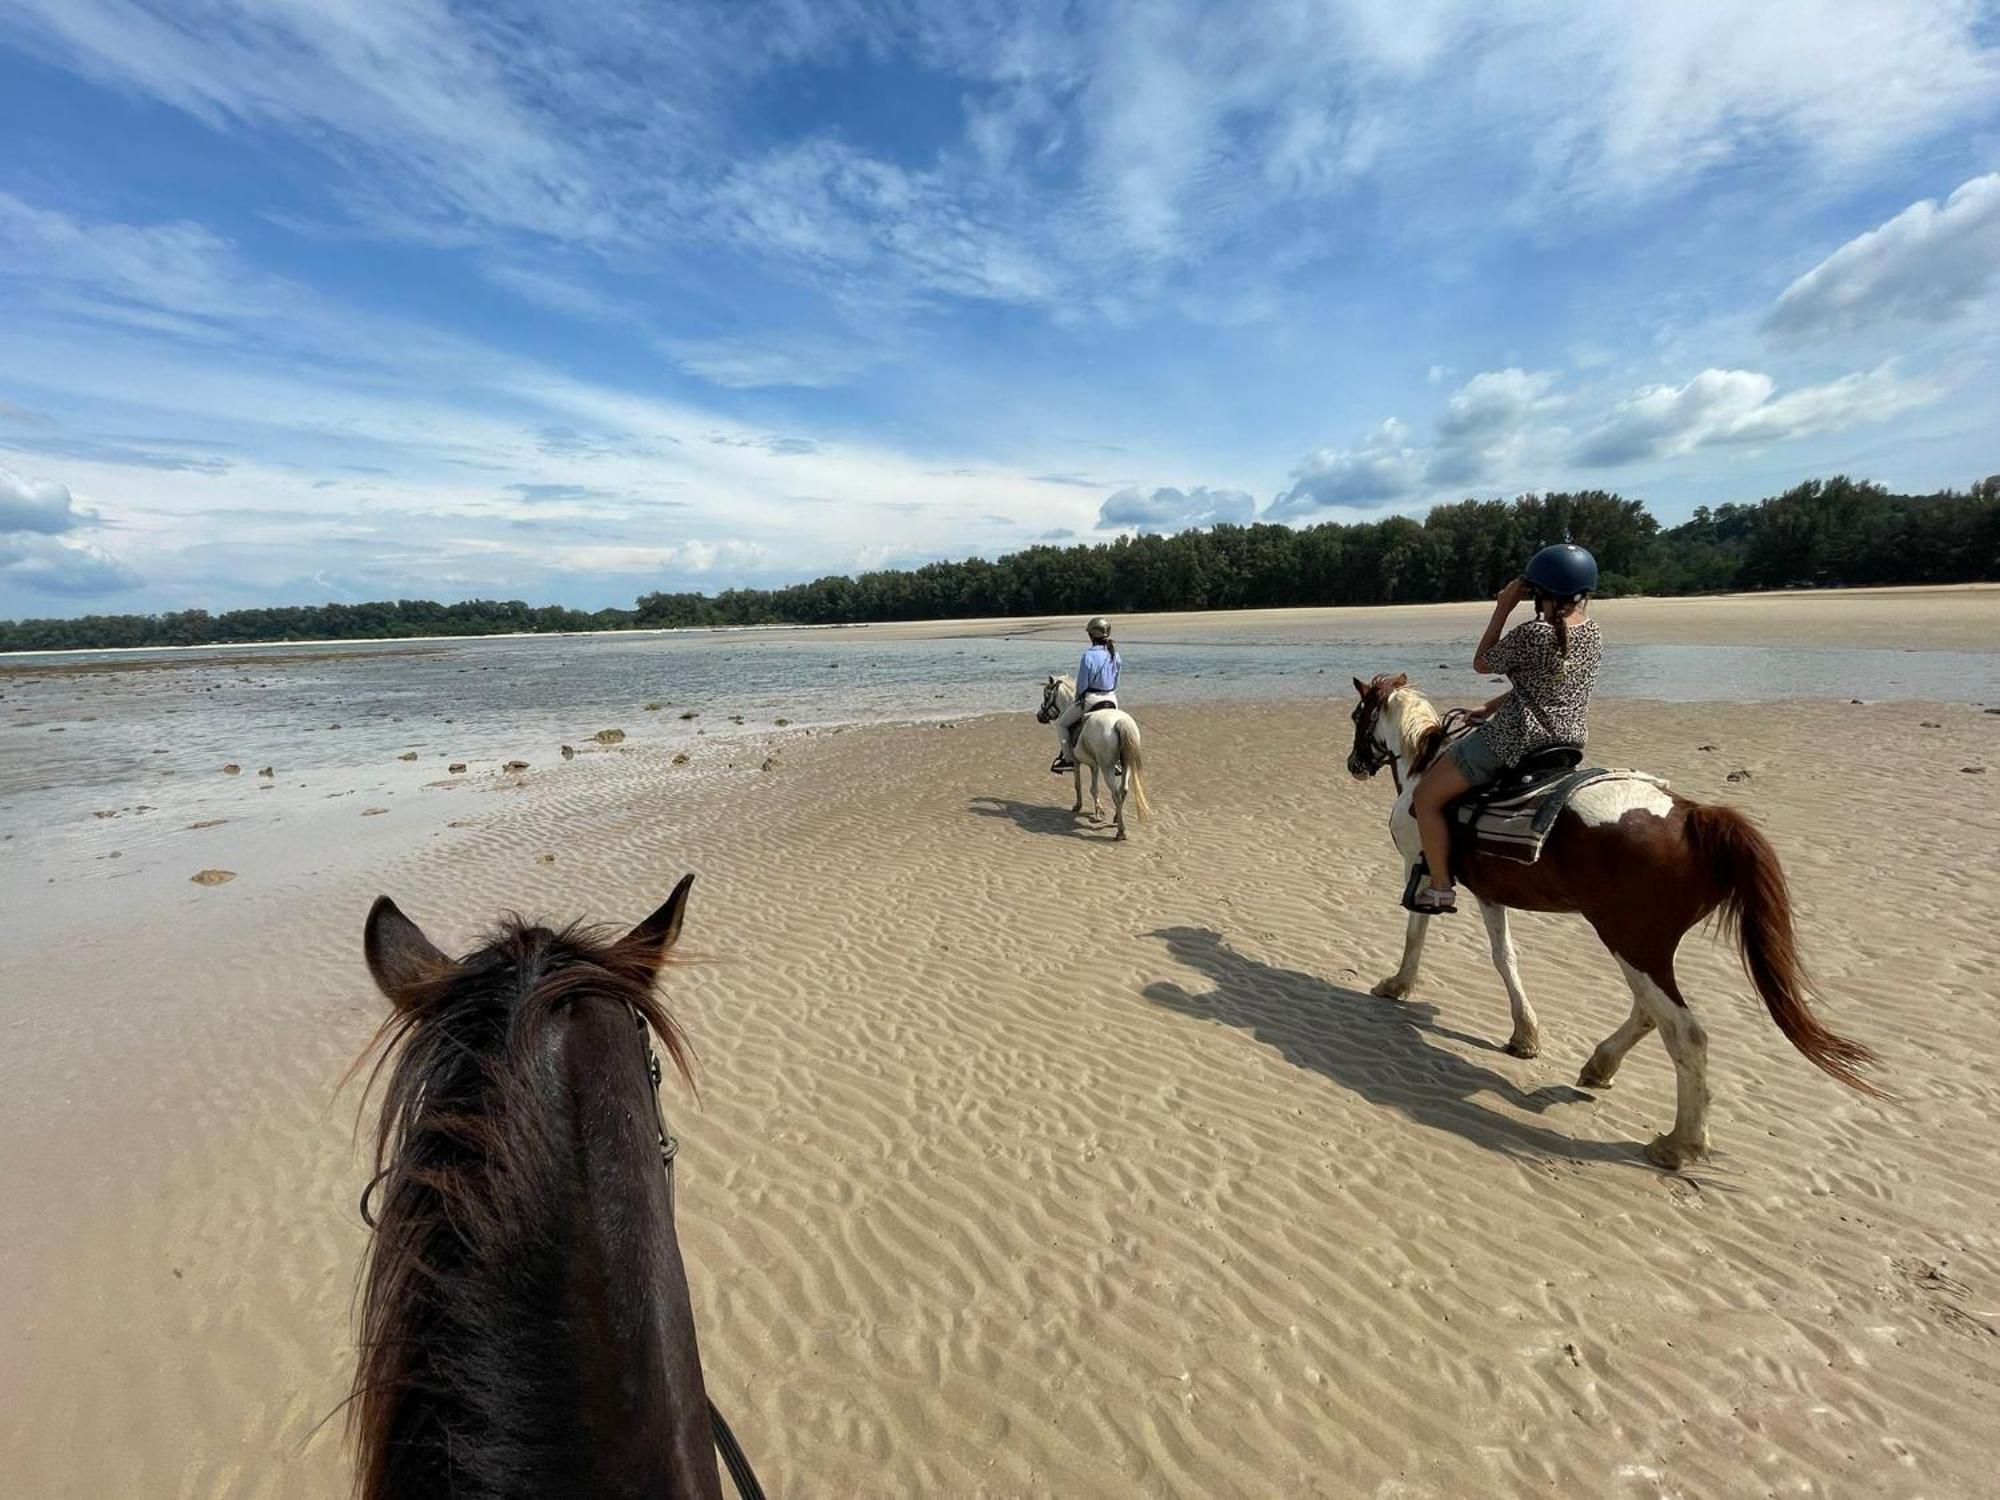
1475	758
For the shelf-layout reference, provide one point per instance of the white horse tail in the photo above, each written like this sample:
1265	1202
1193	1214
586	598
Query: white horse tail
1128	754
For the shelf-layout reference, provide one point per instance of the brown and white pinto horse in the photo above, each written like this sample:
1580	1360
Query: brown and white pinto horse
1642	866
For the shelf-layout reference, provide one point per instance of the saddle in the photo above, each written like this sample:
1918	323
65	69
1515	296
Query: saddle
1512	816
1099	707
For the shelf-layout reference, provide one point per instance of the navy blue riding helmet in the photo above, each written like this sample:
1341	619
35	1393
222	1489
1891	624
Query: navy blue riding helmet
1563	571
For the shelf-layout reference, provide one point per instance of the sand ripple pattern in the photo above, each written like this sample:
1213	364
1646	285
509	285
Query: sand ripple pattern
1027	1164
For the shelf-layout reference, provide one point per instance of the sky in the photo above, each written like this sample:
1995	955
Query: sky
332	300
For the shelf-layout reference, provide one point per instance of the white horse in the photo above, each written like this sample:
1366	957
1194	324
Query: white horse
1108	742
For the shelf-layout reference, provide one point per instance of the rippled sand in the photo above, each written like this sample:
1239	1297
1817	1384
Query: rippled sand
1028	1164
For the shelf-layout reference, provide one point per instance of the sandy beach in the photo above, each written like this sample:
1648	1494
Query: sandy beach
1030	1164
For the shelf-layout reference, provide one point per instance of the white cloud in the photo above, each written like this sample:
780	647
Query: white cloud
1484	422
1738	406
1169	509
750	363
1384	467
38	505
60	565
1928	263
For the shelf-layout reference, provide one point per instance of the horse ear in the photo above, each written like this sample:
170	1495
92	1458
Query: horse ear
1401	679
659	932
1361	687
400	957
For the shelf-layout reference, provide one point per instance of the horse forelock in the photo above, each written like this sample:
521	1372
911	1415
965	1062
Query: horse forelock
470	1158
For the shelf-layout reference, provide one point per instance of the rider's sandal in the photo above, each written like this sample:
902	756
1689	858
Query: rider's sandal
1421	897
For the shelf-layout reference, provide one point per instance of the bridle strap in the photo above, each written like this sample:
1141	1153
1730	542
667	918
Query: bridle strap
731	1451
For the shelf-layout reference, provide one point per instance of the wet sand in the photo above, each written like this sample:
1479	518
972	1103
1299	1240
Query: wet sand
967	1214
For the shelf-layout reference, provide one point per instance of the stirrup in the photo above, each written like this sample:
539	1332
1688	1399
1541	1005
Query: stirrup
1420	879
1062	765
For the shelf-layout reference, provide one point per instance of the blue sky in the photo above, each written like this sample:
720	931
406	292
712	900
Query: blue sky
308	300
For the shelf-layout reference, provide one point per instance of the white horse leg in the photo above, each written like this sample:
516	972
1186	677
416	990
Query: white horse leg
1096	792
1527	1038
1399	984
1602	1068
1687	1045
1118	776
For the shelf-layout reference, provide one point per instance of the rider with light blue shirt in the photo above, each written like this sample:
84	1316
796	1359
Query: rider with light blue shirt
1096	684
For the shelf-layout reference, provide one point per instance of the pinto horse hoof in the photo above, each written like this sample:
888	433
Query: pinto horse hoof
1524	1046
1665	1151
1589	1080
1389	989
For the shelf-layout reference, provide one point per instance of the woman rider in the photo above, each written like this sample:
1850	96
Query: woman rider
1096	682
1551	661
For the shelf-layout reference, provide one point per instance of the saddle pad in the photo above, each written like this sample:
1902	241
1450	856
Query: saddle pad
1513	825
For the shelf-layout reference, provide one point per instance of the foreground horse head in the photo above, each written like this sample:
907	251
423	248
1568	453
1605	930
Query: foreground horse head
525	1322
1643	866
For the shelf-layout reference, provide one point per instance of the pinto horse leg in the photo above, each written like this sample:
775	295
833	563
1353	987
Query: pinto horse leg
1527	1038
1399	984
1687	1044
1602	1068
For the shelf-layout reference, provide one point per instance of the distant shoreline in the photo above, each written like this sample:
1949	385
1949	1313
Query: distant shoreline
959	625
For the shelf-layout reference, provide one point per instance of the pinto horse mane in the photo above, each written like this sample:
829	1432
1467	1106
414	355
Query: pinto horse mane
1420	727
471	1171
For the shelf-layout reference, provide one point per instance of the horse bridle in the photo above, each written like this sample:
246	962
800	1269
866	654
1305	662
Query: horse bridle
1048	712
733	1458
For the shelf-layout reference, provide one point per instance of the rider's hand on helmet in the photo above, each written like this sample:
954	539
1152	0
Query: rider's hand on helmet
1514	593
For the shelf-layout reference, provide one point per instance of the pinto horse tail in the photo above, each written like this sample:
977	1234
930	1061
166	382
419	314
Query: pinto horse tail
1754	906
1128	755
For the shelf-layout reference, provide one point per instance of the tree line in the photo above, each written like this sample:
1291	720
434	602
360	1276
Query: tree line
1823	533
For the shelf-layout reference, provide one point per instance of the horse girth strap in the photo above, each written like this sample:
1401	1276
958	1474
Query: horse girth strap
731	1451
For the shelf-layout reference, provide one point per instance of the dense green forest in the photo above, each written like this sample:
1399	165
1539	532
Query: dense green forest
1824	532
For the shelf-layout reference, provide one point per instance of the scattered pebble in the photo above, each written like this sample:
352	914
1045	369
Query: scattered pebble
515	765
783	723
112	814
407	755
690	714
569	752
653	708
457	768
545	859
209	823
373	812
212	877
1973	770
681	759
268	771
1708	747
1853	700
770	764
1930	724
609	736
232	769
1737	776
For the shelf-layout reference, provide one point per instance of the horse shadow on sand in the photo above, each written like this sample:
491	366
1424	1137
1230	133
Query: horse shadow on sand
1379	1049
1045	817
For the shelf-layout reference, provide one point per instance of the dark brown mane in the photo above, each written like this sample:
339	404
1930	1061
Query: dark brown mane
472	1164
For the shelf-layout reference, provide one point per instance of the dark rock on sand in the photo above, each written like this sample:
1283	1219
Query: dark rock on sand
609	736
212	877
407	755
457	768
232	769
569	752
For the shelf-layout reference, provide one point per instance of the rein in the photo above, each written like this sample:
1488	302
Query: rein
726	1445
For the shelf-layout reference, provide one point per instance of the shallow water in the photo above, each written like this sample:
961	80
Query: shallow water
71	741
